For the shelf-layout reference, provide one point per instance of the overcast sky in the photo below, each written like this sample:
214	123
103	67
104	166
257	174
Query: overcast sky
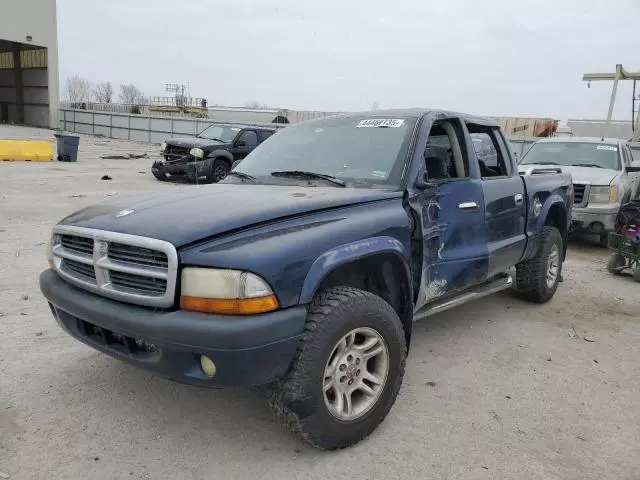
490	57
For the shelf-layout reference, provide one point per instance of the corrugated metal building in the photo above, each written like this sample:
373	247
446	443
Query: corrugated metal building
28	62
599	128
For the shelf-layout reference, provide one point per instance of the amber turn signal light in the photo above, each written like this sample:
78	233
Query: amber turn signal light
228	306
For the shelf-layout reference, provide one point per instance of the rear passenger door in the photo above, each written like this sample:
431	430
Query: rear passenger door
504	199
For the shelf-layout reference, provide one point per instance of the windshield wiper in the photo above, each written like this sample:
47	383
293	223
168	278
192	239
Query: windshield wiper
214	139
586	165
301	173
244	176
539	163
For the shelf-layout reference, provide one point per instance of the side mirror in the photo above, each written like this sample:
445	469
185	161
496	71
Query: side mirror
235	164
241	143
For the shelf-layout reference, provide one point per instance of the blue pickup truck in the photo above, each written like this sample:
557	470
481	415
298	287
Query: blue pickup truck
305	268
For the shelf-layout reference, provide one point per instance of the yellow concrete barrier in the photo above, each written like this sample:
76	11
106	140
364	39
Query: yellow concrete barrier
26	150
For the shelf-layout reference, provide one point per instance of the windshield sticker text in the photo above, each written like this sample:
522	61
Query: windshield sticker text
379	174
381	122
607	147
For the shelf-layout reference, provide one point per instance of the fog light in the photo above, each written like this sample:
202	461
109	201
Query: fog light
208	367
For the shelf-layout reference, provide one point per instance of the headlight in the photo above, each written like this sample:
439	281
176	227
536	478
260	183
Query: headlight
603	194
163	147
197	152
228	292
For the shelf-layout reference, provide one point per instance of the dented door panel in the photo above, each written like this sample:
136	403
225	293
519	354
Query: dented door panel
455	254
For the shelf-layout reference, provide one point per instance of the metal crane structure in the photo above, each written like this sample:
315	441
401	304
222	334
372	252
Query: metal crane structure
619	74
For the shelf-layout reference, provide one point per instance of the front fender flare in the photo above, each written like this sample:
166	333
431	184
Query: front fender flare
343	254
220	154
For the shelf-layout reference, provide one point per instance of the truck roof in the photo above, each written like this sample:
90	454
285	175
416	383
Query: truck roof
420	112
581	140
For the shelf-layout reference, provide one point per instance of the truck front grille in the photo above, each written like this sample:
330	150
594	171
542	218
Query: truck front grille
124	267
175	153
580	194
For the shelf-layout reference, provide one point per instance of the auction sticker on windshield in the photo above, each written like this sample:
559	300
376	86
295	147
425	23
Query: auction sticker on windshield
610	148
381	122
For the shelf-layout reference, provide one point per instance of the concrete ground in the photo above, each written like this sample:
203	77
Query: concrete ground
495	389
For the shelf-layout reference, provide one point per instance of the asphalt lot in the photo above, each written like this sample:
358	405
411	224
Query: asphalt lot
494	389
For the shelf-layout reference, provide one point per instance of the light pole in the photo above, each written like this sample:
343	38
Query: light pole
619	74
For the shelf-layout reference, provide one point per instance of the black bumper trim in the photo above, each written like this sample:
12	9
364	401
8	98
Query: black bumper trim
247	350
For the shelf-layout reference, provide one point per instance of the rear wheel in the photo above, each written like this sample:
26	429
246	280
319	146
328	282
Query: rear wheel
615	263
538	277
219	169
347	372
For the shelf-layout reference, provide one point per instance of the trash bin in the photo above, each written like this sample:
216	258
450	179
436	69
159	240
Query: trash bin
67	147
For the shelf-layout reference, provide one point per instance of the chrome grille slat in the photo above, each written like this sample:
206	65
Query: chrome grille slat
138	255
580	194
138	283
124	267
77	244
81	269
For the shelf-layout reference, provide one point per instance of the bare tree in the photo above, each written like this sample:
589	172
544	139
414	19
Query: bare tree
78	89
103	92
375	105
130	95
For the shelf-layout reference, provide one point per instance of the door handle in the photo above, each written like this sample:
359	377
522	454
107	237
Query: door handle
468	206
519	198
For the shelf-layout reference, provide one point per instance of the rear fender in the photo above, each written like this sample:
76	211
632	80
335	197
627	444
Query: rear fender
343	254
553	201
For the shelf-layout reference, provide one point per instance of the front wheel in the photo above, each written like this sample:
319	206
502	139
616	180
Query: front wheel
347	371
219	169
537	279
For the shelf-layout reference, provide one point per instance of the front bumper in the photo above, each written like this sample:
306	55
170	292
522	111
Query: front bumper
595	218
189	167
251	350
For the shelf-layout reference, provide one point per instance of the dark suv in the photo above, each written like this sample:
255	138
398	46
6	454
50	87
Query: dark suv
210	154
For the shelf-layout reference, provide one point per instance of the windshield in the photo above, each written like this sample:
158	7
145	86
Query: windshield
222	133
355	149
597	155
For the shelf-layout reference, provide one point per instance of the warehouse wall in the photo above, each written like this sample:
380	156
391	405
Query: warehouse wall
34	81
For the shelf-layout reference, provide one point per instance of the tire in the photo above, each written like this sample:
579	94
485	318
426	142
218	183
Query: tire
302	401
158	172
615	263
219	169
531	275
636	274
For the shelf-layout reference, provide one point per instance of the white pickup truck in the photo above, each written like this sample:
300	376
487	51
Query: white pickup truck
602	172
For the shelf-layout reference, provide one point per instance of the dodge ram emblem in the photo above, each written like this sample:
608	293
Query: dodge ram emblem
124	213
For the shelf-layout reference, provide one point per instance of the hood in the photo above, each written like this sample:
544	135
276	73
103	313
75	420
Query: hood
187	215
193	142
591	175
